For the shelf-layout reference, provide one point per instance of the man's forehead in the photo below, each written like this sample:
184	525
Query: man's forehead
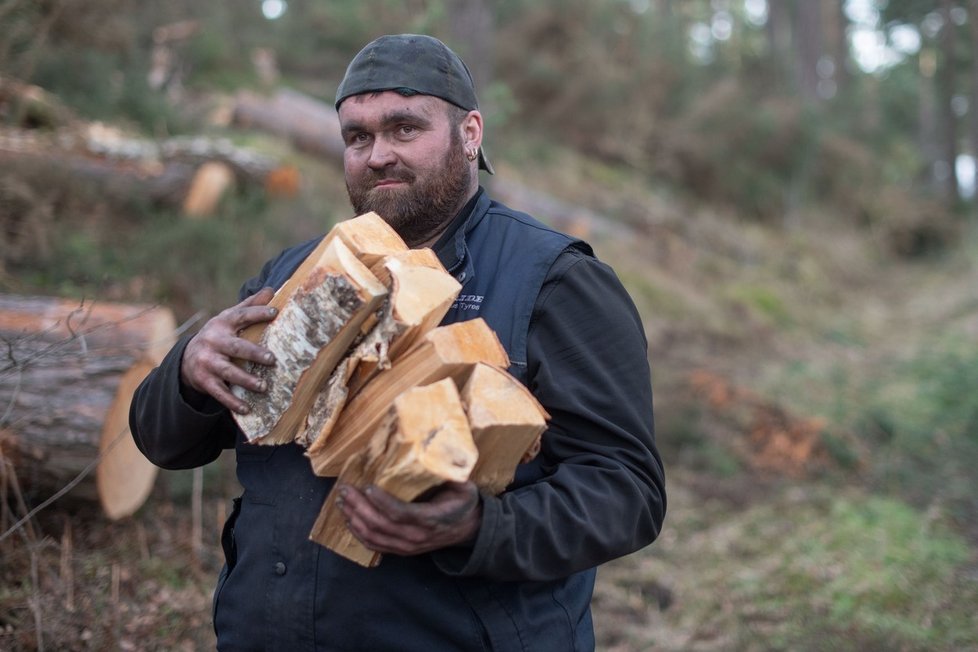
376	106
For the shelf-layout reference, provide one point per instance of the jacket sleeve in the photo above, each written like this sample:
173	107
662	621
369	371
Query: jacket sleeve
602	490
175	426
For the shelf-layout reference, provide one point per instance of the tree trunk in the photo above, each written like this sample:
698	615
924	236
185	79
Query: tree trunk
973	109
470	25
948	121
311	125
808	48
68	373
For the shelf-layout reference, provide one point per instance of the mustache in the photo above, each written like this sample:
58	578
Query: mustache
392	175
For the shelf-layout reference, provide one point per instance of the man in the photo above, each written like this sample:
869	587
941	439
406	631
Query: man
460	571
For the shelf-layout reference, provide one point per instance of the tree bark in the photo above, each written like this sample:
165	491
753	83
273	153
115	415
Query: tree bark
314	329
67	376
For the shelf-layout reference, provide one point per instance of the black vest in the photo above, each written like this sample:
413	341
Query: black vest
284	592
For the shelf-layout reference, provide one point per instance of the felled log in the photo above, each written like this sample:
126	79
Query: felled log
207	188
309	124
116	181
67	376
322	312
423	441
444	352
506	422
420	293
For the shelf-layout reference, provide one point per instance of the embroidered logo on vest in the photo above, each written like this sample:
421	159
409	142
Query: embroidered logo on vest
468	302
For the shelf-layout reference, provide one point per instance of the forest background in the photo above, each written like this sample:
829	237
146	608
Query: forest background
786	187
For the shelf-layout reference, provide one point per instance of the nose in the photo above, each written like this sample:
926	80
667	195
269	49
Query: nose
381	154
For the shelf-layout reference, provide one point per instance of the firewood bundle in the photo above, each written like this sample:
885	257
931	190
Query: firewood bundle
374	389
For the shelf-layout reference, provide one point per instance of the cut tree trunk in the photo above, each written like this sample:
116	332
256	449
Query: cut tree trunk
423	441
209	184
67	376
444	352
310	125
506	423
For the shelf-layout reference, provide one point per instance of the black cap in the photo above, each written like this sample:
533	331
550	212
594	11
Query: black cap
416	62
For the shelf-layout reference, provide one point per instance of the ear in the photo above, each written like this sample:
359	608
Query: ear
472	130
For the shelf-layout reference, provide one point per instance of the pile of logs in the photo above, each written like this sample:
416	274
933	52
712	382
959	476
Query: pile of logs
375	390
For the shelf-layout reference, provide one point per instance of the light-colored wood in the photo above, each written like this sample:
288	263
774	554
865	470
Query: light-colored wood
444	352
329	304
422	442
208	186
66	382
368	236
421	291
506	422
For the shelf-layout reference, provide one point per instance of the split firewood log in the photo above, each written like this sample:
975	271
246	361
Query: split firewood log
506	422
421	292
315	327
363	243
66	381
445	352
422	441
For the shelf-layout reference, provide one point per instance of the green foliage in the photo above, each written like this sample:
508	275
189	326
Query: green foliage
100	85
862	572
924	419
762	301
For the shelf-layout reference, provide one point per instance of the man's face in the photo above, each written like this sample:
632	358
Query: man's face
404	160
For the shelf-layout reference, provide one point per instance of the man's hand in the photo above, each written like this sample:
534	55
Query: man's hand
385	524
207	361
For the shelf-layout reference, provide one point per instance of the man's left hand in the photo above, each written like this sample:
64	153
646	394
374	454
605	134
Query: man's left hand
451	515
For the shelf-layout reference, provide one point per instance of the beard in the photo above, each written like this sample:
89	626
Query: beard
426	205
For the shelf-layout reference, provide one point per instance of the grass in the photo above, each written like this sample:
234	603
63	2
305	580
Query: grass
810	568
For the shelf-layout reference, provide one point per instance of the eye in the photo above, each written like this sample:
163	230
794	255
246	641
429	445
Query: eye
406	131
357	139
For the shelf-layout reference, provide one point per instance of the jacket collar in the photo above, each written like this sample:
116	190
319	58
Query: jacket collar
451	248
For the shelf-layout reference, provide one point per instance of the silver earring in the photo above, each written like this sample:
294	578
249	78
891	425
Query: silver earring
471	154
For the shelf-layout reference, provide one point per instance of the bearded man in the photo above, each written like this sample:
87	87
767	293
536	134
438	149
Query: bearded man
460	570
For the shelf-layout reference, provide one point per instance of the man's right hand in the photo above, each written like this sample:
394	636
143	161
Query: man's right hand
208	365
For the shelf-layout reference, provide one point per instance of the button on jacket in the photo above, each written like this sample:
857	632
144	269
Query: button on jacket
595	492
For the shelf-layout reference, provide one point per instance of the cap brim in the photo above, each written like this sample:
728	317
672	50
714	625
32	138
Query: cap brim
484	162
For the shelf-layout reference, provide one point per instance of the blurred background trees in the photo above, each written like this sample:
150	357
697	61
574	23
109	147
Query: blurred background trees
762	104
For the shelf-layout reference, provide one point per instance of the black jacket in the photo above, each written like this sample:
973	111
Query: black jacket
595	492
